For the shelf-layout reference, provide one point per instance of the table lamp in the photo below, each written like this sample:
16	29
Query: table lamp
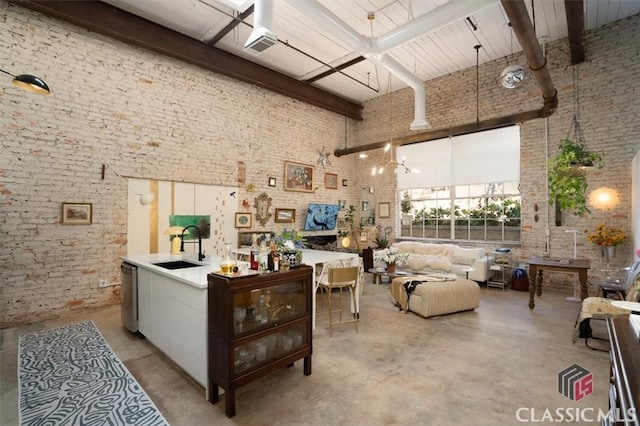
176	232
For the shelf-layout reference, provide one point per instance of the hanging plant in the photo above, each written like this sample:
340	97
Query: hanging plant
567	175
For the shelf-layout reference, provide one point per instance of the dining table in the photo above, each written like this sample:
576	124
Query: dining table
539	264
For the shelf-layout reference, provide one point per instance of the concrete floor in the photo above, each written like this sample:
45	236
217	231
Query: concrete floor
480	367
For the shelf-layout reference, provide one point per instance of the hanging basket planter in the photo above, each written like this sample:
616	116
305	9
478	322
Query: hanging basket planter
567	172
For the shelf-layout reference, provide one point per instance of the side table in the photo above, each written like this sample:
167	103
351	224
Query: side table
378	275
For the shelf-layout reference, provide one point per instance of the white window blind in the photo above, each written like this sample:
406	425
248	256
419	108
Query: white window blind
489	156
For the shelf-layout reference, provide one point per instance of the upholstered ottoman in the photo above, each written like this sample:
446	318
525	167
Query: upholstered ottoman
436	296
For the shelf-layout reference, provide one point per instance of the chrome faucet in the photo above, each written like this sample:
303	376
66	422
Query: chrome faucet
200	252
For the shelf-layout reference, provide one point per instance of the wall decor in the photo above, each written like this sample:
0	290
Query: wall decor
298	177
342	204
344	182
203	222
77	213
285	216
272	182
365	206
262	204
384	209
243	220
331	181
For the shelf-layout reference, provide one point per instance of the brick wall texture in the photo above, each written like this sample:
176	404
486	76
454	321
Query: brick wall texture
148	116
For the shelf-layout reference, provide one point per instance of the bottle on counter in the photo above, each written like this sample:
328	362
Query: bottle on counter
263	254
275	258
254	253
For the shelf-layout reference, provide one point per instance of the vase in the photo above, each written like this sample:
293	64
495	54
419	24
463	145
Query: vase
391	268
292	257
607	253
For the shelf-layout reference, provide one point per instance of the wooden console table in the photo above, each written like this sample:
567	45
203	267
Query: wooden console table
539	264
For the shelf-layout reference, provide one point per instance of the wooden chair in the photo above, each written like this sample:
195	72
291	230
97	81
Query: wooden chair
341	278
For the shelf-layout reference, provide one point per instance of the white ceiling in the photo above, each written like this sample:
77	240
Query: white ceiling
432	55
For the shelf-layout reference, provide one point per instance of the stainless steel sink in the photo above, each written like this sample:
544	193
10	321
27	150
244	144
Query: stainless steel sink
177	264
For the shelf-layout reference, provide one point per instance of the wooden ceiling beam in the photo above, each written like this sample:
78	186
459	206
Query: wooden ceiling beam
116	23
574	10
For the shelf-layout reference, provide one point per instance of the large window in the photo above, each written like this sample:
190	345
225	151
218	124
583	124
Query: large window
481	212
467	190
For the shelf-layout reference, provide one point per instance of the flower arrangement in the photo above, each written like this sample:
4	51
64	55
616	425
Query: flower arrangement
289	240
606	236
391	256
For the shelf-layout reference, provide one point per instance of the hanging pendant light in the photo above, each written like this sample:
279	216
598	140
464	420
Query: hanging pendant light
29	82
513	75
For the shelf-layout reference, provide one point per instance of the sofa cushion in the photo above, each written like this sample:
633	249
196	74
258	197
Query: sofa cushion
462	260
420	262
475	253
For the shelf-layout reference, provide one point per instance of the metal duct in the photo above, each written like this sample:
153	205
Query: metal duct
375	49
261	38
523	29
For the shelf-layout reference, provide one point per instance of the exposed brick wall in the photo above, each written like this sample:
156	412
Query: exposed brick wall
609	106
148	116
143	115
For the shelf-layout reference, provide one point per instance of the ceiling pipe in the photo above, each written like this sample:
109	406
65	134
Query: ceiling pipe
375	48
523	28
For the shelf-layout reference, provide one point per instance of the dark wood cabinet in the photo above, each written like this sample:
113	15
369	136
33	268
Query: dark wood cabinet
624	388
257	324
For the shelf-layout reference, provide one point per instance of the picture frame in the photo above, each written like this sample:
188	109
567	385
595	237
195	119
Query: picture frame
77	213
384	210
298	177
243	220
367	220
342	204
342	224
344	182
272	182
285	215
331	181
365	206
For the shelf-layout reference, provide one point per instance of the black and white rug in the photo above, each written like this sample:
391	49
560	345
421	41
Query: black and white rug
70	376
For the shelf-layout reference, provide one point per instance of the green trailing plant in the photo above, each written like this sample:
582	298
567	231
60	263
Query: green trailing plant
567	178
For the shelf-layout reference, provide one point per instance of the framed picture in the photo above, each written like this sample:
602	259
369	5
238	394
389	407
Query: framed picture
342	204
76	213
243	220
365	206
272	181
285	216
384	209
342	224
367	220
331	181
344	182
298	177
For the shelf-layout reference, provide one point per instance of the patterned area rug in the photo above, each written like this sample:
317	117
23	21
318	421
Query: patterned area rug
70	376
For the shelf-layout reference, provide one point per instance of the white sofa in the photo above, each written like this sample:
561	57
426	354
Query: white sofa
425	258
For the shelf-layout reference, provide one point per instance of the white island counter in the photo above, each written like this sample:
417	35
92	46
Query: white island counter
172	308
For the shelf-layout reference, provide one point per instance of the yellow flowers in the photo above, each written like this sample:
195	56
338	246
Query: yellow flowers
603	236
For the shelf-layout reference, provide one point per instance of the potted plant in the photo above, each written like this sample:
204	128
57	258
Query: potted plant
405	208
567	179
382	236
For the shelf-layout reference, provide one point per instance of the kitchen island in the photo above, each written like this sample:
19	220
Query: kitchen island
172	308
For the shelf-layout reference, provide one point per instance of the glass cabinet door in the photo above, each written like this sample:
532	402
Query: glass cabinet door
268	306
269	348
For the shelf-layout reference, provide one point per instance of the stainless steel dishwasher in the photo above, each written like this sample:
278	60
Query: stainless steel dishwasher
129	296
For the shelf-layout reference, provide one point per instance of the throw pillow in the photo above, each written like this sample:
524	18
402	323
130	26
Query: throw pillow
460	260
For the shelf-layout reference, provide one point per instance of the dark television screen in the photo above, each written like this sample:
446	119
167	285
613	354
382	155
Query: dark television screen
321	217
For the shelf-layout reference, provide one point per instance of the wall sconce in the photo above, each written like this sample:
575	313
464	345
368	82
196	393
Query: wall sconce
345	242
29	82
176	232
604	198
